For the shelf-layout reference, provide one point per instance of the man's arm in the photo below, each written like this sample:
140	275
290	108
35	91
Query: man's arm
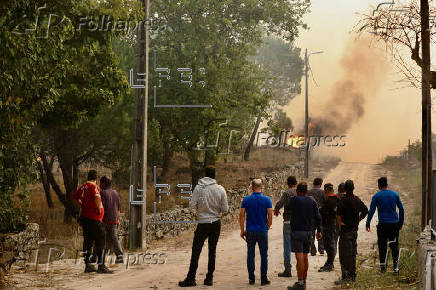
242	222
224	203
269	217
340	224
363	210
280	204
339	213
401	210
316	216
194	200
372	208
118	206
97	201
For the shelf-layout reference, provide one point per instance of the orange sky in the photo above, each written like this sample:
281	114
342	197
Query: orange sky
392	113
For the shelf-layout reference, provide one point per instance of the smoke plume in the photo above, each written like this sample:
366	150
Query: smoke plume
364	71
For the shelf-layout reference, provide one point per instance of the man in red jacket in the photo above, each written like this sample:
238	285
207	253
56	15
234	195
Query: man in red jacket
87	196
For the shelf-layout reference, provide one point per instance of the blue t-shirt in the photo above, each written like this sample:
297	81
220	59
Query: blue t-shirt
386	202
256	205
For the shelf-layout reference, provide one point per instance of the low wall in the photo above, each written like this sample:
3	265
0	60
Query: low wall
275	184
16	247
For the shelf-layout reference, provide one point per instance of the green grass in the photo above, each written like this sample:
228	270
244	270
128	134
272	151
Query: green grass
368	270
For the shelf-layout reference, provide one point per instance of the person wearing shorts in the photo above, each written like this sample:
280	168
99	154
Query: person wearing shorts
303	210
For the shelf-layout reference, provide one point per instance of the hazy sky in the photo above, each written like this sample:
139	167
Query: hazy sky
392	115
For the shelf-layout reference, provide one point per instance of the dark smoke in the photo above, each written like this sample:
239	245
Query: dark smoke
365	69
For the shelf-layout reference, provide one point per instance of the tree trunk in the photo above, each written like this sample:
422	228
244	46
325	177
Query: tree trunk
62	198
63	139
196	167
45	183
166	162
251	141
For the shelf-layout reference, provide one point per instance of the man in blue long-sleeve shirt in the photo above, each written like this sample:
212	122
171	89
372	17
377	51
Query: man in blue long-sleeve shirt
389	222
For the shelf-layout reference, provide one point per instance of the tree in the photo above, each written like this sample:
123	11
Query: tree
217	36
65	79
284	68
31	70
399	27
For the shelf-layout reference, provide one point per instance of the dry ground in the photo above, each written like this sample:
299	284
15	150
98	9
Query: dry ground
231	270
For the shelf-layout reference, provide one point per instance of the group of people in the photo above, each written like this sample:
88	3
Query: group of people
317	213
99	218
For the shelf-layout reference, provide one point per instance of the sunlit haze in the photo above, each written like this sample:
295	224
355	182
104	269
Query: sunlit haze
392	110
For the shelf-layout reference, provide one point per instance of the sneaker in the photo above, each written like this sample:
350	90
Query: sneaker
187	283
102	269
326	268
343	281
90	268
208	281
266	282
396	269
251	282
285	274
382	269
297	286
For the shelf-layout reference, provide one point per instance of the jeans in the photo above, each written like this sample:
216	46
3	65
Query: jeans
210	231
112	242
347	254
388	233
287	246
261	238
93	235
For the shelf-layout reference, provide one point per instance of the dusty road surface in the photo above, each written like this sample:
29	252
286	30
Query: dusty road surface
231	270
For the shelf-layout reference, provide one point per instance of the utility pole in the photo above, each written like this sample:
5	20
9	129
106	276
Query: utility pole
306	147
307	141
139	161
426	117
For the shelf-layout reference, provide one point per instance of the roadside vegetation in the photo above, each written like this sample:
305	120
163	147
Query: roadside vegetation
405	178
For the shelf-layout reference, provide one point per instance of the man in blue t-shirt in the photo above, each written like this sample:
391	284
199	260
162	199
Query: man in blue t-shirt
389	223
258	209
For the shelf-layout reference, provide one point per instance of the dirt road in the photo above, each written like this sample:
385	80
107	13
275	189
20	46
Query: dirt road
231	270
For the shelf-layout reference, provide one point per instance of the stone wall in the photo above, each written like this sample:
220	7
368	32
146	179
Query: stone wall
427	260
18	247
275	184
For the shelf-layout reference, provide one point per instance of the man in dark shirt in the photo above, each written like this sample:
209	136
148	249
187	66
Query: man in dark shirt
318	194
111	204
303	210
286	196
351	210
341	190
329	226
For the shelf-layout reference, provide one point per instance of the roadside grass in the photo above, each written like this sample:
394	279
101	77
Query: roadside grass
407	179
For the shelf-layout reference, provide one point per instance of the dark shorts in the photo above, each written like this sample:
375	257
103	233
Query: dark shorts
301	241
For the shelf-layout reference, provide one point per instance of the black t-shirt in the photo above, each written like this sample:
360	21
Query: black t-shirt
352	210
328	211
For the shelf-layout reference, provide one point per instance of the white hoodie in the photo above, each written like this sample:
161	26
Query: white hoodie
210	200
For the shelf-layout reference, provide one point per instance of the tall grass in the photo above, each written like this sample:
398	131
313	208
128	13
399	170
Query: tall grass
407	177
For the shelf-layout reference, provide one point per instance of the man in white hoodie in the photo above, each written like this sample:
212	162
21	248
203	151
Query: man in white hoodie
210	201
